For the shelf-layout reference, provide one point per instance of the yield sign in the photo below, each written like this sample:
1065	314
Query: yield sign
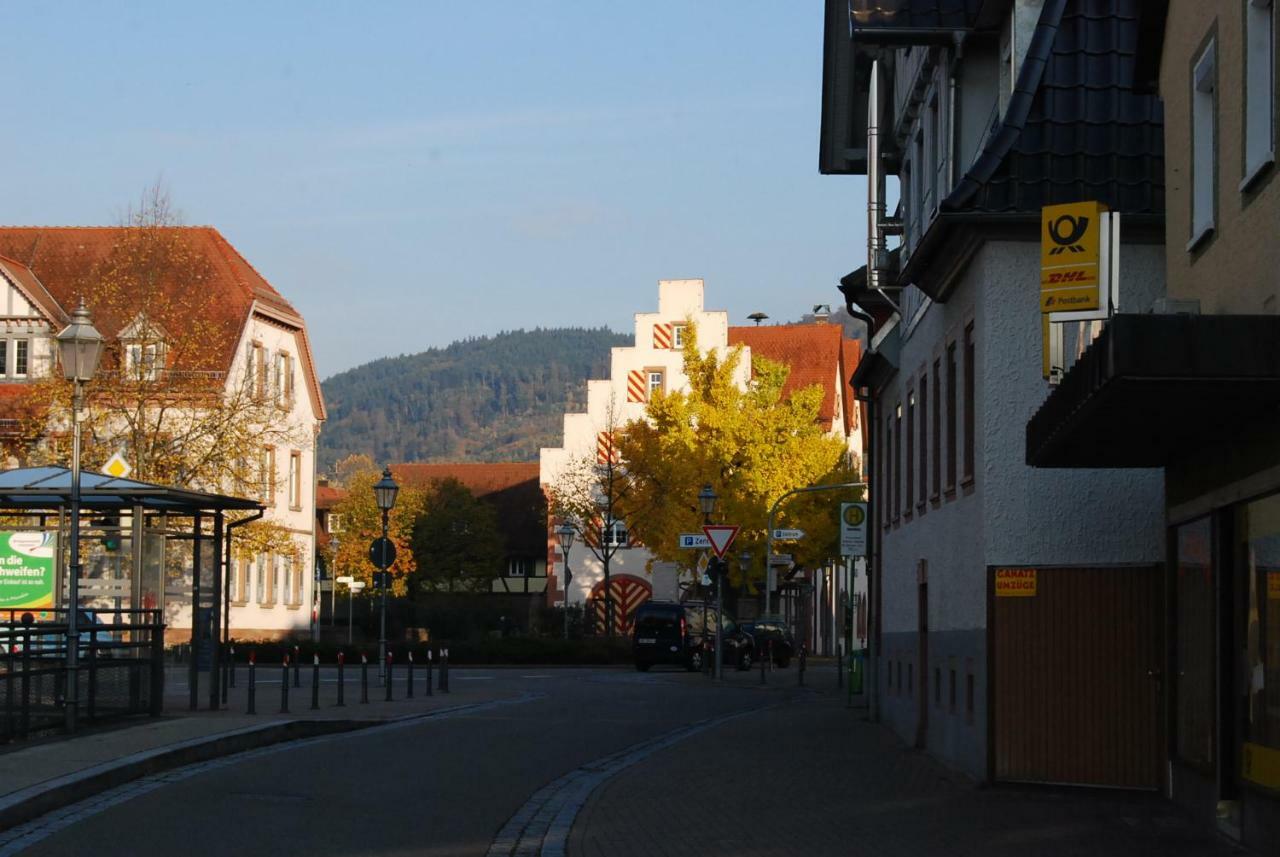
721	536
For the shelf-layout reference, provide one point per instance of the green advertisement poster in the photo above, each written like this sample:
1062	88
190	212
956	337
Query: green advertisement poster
26	569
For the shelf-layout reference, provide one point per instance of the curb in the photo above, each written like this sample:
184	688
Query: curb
35	801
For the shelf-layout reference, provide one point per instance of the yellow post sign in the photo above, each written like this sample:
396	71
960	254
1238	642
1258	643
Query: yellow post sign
1070	256
1015	582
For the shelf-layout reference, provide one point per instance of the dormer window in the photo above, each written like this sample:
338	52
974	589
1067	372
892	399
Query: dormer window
283	381
143	362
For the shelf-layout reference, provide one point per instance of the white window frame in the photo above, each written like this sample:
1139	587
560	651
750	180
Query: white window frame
660	375
20	344
677	336
295	480
521	566
335	522
260	590
615	534
143	361
1204	143
1259	89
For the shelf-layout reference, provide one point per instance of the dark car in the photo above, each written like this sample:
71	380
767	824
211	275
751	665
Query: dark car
669	632
772	635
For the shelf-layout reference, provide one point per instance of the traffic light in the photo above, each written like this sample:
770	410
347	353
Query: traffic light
111	533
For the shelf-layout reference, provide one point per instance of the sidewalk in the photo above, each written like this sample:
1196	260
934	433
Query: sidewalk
813	777
43	775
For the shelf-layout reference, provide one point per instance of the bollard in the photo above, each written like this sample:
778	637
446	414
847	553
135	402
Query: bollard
284	686
444	670
315	682
428	672
253	682
233	666
408	687
341	684
297	664
364	678
388	682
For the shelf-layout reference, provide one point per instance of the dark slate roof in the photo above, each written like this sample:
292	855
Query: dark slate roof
1077	126
913	14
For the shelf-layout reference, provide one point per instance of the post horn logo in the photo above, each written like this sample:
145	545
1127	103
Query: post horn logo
1074	227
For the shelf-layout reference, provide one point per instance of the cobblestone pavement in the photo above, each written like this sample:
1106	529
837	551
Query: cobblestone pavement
813	778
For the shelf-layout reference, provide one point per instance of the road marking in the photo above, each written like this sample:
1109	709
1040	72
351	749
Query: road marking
535	676
541	827
23	836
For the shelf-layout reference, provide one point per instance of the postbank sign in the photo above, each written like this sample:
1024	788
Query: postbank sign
1070	256
1015	582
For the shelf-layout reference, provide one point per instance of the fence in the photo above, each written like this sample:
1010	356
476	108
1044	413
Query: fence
119	671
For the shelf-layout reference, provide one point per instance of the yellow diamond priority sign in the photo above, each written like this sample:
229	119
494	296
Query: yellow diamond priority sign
117	467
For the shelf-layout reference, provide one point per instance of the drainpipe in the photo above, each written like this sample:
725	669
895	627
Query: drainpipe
875	185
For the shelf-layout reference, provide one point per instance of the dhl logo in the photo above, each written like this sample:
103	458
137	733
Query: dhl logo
1079	275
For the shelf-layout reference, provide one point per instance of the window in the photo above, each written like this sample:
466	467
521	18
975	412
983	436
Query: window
4	357
1204	154
258	369
920	177
614	534
1258	524
1193	650
934	130
292	594
21	352
143	361
261	593
924	439
970	420
273	588
267	475
335	522
936	429
1259	85
897	464
677	335
295	480
657	380
911	453
951	417
284	379
520	566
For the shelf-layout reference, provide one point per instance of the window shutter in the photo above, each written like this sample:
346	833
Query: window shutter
636	386
663	336
606	452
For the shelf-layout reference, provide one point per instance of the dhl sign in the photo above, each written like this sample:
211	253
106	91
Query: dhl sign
1071	256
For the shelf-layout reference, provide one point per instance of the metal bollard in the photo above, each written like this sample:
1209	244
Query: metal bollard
388	682
315	682
364	678
429	672
341	684
233	666
253	682
444	670
408	687
284	686
297	664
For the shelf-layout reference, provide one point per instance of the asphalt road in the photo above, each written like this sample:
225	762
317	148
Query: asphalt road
441	786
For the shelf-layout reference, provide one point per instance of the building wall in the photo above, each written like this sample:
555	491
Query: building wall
1010	514
1234	270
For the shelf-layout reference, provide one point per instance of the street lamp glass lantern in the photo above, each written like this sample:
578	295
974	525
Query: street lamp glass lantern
565	533
79	346
385	491
707	499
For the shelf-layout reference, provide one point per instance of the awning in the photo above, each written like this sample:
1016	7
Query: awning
50	487
1154	388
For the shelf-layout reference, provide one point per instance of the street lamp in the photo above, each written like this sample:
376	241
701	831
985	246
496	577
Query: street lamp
565	533
384	492
80	349
707	501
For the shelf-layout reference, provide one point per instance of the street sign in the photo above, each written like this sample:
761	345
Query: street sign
787	535
346	579
782	559
381	579
382	552
117	467
1070	256
853	529
721	536
694	540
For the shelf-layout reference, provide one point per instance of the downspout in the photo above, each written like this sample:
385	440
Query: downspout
875	185
952	64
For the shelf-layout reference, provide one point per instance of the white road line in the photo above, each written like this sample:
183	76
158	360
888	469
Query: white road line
23	836
541	827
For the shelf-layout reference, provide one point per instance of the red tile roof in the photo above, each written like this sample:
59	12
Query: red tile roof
65	257
328	496
481	477
813	352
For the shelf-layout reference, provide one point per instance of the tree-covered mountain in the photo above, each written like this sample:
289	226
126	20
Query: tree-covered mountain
492	398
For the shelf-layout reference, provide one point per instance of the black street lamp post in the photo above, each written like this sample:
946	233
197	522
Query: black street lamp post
384	492
80	348
565	532
707	501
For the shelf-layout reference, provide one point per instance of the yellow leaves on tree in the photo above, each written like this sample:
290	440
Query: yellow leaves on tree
362	523
751	446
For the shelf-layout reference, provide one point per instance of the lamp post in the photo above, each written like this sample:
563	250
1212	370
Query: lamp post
80	348
384	491
565	533
707	501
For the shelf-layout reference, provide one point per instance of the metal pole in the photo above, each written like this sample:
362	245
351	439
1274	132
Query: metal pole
253	681
73	598
567	576
768	533
284	686
719	617
382	631
429	692
408	689
387	680
351	598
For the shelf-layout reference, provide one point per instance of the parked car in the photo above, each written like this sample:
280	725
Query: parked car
772	635
683	634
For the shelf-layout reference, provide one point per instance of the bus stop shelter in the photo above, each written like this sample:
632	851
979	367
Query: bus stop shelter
144	547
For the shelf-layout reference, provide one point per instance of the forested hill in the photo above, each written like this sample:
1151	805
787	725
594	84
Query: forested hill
495	398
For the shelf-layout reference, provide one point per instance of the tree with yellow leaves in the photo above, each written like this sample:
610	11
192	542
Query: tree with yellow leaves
362	523
751	445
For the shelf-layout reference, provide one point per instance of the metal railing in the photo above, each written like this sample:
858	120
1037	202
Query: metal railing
120	668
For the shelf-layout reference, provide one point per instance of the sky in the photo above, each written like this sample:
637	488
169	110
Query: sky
408	174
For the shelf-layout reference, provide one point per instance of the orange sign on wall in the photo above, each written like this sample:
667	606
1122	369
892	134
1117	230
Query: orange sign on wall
1015	582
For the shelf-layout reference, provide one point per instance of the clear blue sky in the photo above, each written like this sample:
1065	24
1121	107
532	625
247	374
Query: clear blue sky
411	173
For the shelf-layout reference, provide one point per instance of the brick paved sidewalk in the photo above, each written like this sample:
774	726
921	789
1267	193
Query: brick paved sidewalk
812	778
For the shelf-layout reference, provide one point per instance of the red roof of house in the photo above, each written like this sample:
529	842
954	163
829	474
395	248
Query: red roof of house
813	352
65	257
328	496
481	477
